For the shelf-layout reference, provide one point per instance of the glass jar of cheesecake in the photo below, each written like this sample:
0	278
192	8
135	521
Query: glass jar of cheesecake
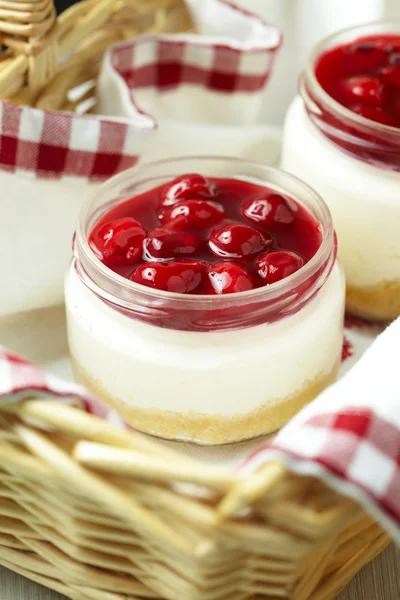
204	301
342	136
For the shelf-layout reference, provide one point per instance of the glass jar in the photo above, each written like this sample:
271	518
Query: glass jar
354	163
208	369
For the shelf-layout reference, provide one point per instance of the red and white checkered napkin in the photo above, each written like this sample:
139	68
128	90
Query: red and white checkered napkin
350	435
203	92
58	145
20	379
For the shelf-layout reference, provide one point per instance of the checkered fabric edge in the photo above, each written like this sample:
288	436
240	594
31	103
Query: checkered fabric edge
352	446
165	64
20	379
355	451
54	145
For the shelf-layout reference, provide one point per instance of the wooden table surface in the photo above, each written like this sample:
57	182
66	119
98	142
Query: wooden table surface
380	580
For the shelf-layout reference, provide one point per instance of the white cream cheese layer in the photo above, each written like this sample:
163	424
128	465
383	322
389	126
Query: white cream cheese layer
223	373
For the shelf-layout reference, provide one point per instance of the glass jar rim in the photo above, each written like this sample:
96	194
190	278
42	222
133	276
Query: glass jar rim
193	300
310	80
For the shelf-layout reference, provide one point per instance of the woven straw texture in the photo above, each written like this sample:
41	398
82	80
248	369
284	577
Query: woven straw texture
94	512
97	513
31	71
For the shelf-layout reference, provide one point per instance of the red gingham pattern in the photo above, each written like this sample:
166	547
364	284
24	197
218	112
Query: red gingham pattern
166	64
347	350
355	448
20	379
56	144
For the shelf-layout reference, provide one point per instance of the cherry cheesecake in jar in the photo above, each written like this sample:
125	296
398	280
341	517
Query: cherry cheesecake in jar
342	136
204	300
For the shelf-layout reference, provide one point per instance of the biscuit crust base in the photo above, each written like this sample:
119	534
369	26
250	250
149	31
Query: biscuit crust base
209	429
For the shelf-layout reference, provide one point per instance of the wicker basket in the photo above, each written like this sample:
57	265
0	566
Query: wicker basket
99	514
52	63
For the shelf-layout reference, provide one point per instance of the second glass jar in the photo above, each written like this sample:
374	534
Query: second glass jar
354	163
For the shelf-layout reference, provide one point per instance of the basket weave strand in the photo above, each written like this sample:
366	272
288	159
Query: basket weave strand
47	56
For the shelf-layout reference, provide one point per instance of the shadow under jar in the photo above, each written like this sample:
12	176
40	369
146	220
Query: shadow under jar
209	369
342	136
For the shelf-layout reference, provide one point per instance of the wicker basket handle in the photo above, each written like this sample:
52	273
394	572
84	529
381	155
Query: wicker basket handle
48	55
20	21
38	39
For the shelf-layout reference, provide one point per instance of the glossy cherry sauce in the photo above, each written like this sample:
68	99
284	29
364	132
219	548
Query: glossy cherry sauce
199	235
364	76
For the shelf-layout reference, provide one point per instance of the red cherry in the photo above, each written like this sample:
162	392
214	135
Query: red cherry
187	186
119	241
269	210
396	111
229	277
391	75
237	241
274	266
375	113
394	58
163	244
181	277
365	89
194	214
366	56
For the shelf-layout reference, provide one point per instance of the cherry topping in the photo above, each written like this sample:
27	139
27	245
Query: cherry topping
194	214
364	76
391	75
237	241
229	277
164	244
181	277
375	113
274	266
365	89
268	210
184	187
367	55
396	109
119	241
394	58
203	246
